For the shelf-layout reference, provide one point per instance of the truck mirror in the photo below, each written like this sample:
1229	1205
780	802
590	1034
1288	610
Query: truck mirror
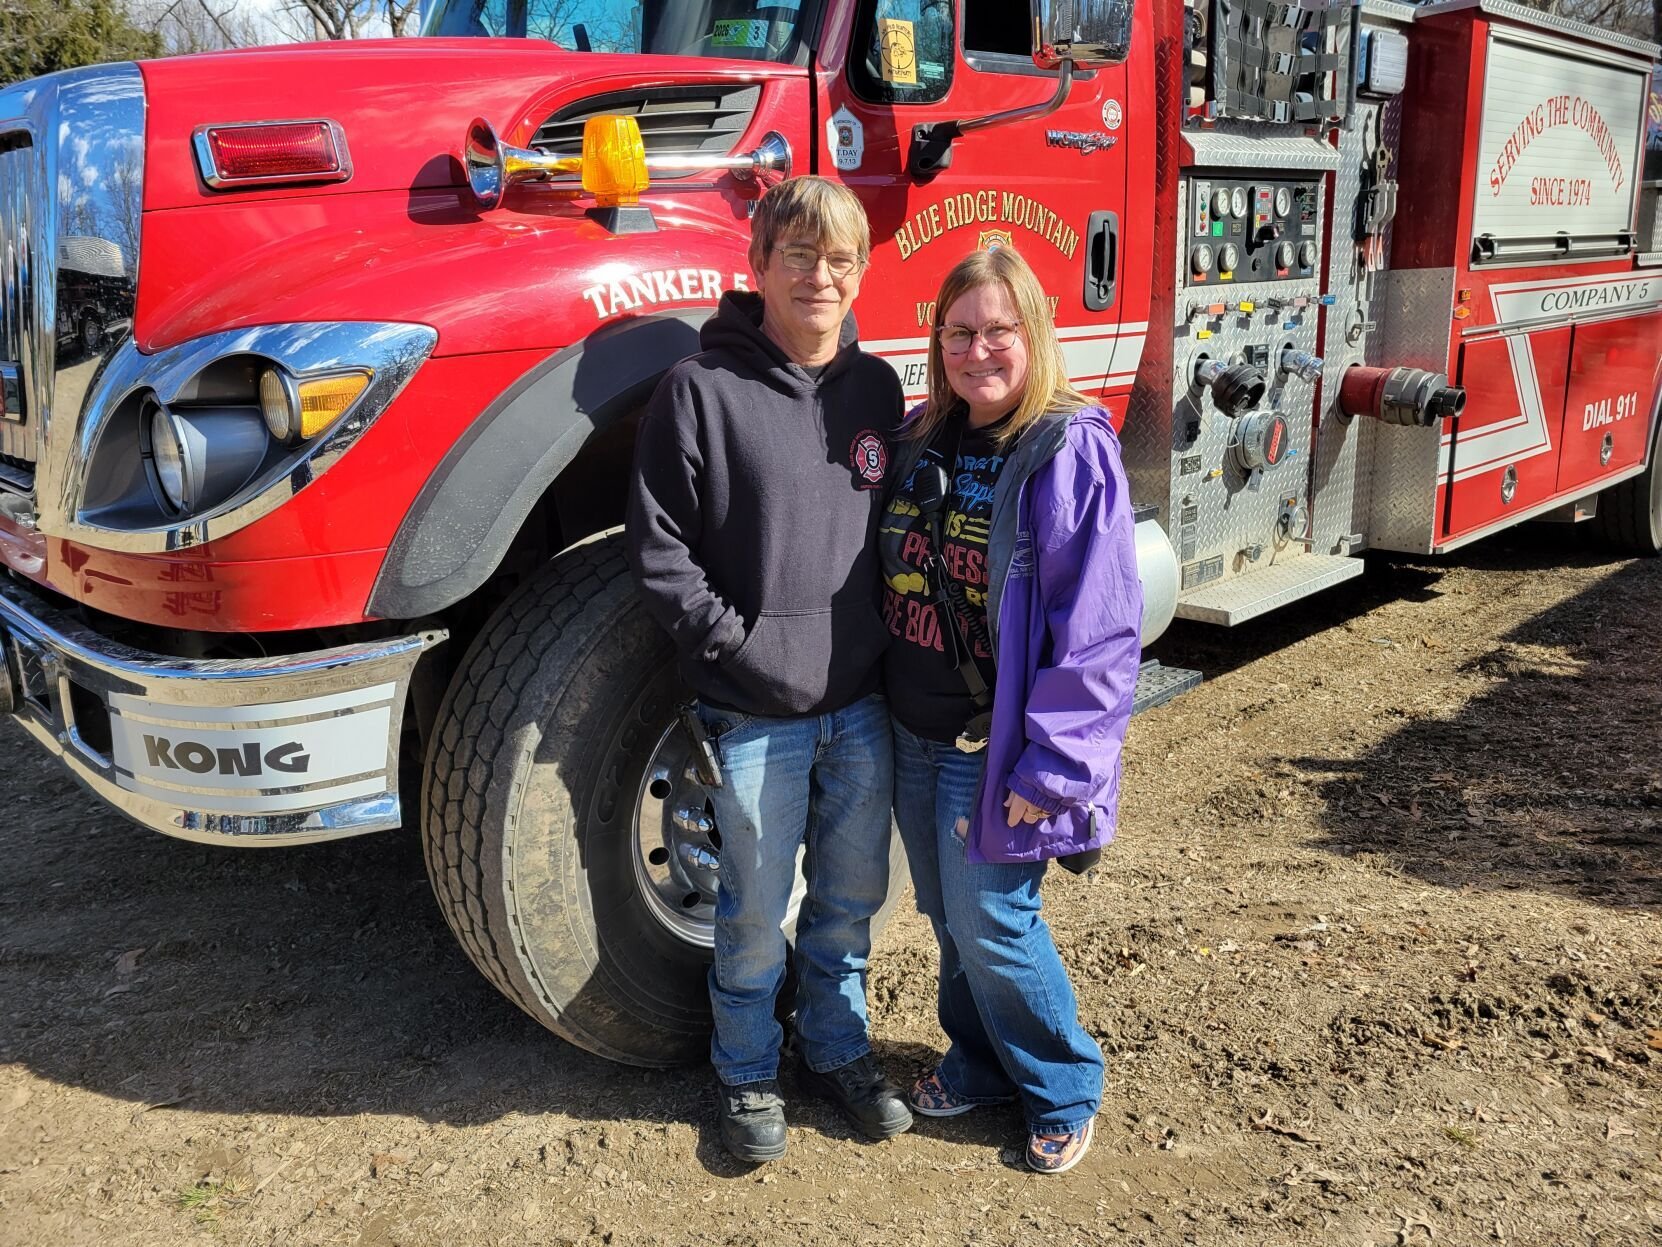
1090	33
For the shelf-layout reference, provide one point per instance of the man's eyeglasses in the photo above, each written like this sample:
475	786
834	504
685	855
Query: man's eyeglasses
957	339
805	259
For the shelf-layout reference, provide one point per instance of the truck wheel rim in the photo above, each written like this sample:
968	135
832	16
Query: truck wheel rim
676	881
676	842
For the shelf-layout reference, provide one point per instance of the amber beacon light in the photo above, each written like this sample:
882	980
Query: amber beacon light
614	160
263	153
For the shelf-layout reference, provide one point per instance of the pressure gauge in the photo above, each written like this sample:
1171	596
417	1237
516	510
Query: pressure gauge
1284	255
1229	255
1220	202
1238	201
1307	254
1200	259
1283	201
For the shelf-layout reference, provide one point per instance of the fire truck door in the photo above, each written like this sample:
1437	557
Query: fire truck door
1613	374
1501	455
1052	187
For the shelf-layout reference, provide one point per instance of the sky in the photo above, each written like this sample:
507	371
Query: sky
275	24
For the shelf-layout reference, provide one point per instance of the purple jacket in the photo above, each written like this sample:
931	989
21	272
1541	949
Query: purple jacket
1065	608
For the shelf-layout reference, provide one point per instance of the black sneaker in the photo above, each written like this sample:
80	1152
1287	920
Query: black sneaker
867	1099
752	1120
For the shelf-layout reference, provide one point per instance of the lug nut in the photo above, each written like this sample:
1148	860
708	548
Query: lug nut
697	857
696	822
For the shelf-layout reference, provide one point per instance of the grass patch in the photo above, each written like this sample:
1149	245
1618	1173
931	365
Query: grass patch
1465	1138
205	1200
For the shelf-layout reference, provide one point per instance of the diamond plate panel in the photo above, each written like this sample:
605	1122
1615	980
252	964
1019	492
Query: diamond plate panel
1215	148
1221	508
1527	16
1217	510
1145	441
1414	333
1342	468
1235	601
1388	10
1415	325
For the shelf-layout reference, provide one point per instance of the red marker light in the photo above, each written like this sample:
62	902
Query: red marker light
274	151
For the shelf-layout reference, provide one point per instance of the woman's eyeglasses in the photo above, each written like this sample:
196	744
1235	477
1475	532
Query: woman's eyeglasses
805	259
957	339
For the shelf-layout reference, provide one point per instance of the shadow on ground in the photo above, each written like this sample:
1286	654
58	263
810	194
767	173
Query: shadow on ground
318	981
1549	779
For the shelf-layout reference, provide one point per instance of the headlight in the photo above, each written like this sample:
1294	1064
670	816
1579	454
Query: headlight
280	405
167	450
203	455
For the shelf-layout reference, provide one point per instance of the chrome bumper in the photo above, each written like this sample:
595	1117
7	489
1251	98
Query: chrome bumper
285	750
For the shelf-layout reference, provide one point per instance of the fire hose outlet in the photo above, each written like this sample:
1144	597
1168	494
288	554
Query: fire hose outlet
1411	397
1261	439
1235	387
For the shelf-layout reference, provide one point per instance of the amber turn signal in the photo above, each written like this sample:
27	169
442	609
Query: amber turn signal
324	399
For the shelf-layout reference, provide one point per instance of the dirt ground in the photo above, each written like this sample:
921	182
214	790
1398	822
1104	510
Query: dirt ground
1376	959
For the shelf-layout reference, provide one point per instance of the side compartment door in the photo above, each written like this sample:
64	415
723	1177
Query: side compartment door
1053	187
1501	455
1613	367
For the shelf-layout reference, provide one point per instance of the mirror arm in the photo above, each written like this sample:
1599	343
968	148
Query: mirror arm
931	149
1064	83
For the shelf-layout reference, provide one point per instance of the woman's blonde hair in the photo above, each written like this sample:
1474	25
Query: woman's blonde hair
1047	387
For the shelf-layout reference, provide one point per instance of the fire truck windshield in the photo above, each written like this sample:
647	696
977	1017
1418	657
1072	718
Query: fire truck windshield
734	29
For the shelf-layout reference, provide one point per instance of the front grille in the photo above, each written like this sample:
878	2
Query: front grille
17	303
675	121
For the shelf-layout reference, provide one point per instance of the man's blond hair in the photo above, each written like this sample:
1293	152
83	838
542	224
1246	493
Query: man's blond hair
811	210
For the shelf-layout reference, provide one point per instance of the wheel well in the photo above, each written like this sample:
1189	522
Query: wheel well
588	496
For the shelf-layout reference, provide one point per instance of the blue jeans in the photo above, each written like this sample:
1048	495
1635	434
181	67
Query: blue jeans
1005	1002
821	786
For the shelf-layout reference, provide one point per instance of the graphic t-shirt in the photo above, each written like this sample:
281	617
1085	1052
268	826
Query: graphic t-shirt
927	692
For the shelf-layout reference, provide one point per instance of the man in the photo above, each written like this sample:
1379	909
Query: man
758	481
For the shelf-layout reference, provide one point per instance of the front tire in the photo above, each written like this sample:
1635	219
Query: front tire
569	845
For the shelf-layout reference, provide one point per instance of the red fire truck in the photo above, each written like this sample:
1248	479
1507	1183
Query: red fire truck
325	509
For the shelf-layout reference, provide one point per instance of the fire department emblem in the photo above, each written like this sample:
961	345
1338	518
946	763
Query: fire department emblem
993	239
847	139
870	458
1112	115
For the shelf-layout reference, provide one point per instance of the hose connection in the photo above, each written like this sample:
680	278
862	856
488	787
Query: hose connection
1235	387
1411	397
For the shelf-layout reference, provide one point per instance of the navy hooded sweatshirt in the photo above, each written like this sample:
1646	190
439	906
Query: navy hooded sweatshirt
753	513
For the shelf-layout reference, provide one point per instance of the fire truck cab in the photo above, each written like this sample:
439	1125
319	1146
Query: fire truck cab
322	366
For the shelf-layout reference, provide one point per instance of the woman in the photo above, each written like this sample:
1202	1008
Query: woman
1015	609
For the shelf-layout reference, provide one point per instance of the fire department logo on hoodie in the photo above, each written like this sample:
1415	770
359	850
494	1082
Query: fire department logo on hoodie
993	239
869	456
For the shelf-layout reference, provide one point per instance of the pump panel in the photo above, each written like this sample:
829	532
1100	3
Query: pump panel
1251	230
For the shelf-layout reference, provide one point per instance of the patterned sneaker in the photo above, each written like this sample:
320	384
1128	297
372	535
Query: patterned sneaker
931	1097
1058	1153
